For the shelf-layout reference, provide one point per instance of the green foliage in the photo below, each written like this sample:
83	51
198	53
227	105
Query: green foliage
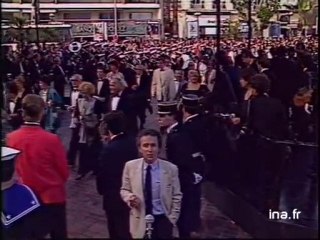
307	12
18	32
264	15
234	30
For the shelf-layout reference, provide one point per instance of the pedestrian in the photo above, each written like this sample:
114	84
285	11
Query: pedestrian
111	163
150	186
41	166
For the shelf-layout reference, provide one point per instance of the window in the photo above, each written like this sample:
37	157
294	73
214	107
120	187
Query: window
106	15
140	16
214	5
202	4
223	5
77	15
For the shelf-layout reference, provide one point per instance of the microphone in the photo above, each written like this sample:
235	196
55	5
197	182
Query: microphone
149	221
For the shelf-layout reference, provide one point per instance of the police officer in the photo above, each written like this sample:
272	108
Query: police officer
179	151
193	126
20	207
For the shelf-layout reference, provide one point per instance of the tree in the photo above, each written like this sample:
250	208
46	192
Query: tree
16	31
234	29
307	13
19	32
265	9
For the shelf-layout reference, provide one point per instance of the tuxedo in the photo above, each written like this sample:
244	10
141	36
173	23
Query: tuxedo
102	91
143	94
111	163
125	102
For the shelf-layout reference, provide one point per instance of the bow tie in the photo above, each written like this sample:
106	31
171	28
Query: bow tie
100	80
116	95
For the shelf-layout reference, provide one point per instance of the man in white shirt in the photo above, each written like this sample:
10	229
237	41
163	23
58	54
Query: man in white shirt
123	99
76	80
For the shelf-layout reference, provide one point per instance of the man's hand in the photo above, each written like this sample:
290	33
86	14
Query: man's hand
134	201
235	121
71	108
134	87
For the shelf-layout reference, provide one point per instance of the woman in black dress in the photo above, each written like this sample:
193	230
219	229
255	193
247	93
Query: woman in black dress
194	86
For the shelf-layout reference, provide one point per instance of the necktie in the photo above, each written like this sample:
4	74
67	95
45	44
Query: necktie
148	191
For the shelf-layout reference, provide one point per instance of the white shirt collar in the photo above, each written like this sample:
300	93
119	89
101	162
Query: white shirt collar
192	116
171	127
154	165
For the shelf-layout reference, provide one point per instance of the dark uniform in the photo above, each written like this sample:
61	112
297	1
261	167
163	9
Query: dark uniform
179	152
194	129
20	207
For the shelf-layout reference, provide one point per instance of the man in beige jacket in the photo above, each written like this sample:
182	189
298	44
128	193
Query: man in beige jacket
163	86
151	186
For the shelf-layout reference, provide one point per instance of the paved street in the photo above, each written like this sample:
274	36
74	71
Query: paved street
86	219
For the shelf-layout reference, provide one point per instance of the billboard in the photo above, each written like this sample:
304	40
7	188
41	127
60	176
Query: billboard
95	30
127	29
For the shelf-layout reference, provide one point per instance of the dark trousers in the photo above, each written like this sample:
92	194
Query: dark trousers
162	227
185	221
142	117
88	157
73	146
117	213
59	87
56	221
85	164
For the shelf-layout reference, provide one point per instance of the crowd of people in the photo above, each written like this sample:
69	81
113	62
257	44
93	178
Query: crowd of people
212	106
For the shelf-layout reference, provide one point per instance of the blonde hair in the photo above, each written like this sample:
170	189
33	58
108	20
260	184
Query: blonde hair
87	88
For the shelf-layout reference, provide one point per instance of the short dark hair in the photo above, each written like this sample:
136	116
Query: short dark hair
149	132
247	74
261	83
32	106
115	122
264	62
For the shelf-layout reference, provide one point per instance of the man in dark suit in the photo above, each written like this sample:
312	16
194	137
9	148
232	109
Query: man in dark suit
102	91
142	88
111	163
123	99
287	77
59	76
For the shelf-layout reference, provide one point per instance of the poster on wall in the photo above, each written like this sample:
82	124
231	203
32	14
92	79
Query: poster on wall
153	30
127	29
275	30
192	29
83	29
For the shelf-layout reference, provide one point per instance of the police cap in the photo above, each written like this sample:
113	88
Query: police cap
167	108
8	156
190	100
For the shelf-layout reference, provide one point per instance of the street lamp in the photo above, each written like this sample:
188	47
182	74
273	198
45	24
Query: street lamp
115	19
197	15
249	23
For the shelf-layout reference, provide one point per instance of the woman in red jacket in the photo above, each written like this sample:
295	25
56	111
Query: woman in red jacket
42	165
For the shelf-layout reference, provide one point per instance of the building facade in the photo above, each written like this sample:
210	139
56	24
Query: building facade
128	15
198	17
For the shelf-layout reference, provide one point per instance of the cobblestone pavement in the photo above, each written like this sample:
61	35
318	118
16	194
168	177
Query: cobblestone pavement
86	219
